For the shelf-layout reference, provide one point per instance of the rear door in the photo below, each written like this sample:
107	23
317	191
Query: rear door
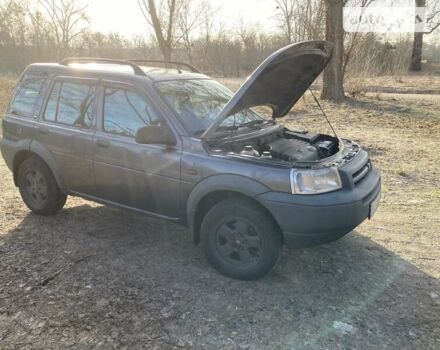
145	177
66	129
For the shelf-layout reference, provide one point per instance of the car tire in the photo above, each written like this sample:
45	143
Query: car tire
240	239
38	187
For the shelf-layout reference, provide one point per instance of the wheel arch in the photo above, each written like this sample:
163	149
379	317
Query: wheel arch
217	188
39	151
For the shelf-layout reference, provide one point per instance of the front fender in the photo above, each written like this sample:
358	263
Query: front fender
221	182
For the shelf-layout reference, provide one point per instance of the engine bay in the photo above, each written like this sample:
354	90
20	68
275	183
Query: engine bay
284	146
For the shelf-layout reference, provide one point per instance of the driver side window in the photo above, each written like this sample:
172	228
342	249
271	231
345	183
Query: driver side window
126	111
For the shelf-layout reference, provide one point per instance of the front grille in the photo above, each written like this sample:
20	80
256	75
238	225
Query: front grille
361	173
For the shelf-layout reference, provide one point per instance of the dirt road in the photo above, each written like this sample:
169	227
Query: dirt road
99	277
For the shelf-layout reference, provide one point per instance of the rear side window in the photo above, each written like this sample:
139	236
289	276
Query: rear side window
71	104
126	111
26	96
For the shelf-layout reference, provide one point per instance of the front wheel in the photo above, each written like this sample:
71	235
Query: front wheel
240	239
38	187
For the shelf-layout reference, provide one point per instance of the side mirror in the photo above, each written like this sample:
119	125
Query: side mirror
154	134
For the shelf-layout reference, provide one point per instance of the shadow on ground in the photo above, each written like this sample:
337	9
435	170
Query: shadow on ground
94	276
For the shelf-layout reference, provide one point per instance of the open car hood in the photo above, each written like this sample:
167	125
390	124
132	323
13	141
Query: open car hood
279	82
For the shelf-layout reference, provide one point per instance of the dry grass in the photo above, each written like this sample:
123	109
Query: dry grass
143	283
410	84
6	86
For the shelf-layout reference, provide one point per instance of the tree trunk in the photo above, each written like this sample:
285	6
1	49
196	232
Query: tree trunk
416	56
333	88
165	44
166	52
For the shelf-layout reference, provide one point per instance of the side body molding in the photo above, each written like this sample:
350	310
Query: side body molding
221	182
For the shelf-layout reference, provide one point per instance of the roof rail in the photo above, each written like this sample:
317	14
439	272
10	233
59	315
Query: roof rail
175	63
136	69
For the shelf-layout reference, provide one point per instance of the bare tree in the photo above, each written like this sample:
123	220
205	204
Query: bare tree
162	19
68	20
38	31
190	17
285	11
300	20
309	19
333	88
13	26
206	29
353	38
432	23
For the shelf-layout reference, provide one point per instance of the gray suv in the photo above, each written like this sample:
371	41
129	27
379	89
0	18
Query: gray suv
176	144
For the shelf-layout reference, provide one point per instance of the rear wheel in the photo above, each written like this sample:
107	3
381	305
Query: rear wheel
240	239
38	187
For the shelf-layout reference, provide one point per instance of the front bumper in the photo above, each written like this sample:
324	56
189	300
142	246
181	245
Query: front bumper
315	219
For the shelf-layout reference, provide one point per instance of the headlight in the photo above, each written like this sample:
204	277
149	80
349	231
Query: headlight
314	181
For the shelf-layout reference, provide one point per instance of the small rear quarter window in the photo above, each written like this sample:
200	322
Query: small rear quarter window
26	96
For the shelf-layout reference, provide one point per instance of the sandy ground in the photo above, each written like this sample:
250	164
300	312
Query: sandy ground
95	277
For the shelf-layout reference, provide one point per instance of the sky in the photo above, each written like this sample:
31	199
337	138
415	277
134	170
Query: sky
124	16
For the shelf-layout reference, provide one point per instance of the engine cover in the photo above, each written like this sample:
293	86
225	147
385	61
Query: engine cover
293	150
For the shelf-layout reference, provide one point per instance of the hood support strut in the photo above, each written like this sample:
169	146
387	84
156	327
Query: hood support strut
323	113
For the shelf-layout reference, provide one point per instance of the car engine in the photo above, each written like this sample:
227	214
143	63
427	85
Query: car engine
293	150
287	146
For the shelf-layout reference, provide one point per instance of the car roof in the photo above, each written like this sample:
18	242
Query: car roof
114	71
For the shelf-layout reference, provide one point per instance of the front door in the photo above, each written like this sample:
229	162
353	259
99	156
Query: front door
145	177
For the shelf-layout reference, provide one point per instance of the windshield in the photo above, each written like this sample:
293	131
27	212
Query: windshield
198	102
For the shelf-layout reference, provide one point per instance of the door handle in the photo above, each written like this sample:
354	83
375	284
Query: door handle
43	130
103	143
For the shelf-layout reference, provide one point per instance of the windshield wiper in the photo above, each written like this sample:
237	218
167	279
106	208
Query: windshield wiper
246	125
252	123
227	127
199	132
